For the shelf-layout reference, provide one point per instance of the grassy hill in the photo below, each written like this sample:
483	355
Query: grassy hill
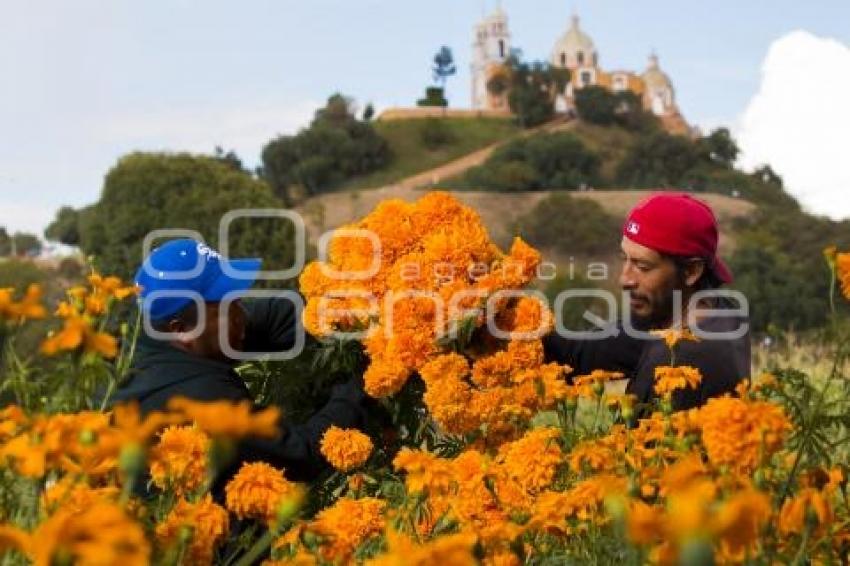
411	154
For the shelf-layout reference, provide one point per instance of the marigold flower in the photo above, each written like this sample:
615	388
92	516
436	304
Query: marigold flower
452	549
28	308
76	496
257	490
77	331
228	419
209	525
425	472
100	534
739	521
644	523
738	433
673	336
795	512
179	460
345	449
842	269
346	524
533	459
669	379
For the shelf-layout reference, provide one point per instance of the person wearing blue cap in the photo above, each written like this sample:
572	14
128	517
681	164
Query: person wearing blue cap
184	284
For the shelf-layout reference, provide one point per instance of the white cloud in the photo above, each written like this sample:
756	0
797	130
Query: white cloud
799	120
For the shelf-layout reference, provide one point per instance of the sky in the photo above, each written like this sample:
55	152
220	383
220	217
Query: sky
84	82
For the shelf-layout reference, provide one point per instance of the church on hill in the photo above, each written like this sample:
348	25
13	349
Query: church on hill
576	51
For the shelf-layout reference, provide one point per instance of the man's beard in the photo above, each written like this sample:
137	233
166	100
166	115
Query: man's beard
660	314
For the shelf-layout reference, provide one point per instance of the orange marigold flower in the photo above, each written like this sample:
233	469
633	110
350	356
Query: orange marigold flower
29	307
842	269
673	336
793	516
100	534
75	496
739	433
347	524
208	523
739	521
385	377
257	491
228	419
452	549
179	460
345	449
669	379
425	472
533	459
78	331
644	523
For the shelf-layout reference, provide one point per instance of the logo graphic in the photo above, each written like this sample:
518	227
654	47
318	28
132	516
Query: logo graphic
633	228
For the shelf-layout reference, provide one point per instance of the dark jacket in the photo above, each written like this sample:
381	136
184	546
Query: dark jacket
161	372
722	363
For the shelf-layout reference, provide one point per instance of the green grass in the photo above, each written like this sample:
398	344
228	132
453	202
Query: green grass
411	156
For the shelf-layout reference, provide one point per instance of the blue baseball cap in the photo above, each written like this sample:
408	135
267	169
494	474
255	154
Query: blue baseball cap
180	269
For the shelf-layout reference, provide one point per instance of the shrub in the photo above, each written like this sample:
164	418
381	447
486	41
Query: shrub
544	161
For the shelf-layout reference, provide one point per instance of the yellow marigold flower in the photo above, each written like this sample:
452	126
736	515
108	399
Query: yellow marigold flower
100	534
257	490
842	269
673	336
669	379
793	516
345	449
209	525
593	384
682	474
738	433
347	524
179	460
228	419
691	508
533	459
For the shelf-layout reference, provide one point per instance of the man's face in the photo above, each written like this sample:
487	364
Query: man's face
650	279
208	345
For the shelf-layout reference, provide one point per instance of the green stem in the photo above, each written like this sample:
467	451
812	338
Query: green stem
262	545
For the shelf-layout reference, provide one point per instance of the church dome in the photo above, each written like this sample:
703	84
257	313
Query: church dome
654	77
574	48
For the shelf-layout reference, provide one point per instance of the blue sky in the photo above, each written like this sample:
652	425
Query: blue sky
84	82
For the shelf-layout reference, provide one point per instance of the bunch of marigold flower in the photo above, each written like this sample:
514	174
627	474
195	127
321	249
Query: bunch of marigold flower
428	266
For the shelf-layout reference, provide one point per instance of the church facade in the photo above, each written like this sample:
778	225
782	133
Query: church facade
576	51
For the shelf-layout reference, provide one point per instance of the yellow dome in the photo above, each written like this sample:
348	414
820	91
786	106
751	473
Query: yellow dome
654	77
575	41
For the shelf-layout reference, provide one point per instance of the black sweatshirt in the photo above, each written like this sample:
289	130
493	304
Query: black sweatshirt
161	372
722	363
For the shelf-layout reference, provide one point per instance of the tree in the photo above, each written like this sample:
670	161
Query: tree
543	161
658	159
533	90
335	147
444	66
65	228
229	158
719	147
18	244
596	104
368	112
592	231
148	191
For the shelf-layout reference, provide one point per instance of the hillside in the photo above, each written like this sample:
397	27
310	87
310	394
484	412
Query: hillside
409	143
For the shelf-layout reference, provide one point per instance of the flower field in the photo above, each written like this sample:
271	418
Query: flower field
491	456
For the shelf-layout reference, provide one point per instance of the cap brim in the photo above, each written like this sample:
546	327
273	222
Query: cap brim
722	270
248	270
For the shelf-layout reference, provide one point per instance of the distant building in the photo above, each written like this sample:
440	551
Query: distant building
575	51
